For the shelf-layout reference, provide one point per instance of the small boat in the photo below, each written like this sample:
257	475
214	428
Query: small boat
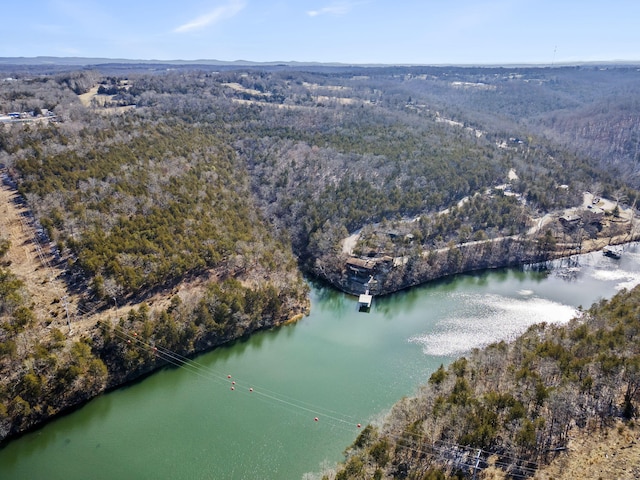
612	251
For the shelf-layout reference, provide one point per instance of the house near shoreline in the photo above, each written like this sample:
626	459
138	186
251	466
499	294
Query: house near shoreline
362	266
570	221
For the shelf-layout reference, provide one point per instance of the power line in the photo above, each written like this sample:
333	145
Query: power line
192	366
461	456
344	421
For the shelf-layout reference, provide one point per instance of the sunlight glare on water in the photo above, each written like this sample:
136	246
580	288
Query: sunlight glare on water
487	319
623	279
345	367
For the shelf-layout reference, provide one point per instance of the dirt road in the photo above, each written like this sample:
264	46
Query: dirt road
31	263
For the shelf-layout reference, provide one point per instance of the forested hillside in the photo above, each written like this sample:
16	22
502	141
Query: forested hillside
511	408
142	183
126	210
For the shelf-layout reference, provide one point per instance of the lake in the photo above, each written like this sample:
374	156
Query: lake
285	403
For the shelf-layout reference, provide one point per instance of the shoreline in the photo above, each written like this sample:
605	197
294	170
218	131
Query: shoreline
593	246
395	280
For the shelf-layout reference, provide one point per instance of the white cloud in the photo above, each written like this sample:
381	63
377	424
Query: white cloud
222	12
338	8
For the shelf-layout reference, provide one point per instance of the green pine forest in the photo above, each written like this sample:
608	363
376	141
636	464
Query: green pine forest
242	181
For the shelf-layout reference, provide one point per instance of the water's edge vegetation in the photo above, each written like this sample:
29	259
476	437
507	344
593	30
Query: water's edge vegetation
511	407
176	211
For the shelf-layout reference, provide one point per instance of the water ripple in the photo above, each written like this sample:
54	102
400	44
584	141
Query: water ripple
487	319
624	279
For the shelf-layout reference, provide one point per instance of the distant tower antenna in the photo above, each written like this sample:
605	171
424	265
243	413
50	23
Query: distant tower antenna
553	61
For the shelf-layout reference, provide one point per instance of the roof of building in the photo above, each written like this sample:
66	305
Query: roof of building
364	263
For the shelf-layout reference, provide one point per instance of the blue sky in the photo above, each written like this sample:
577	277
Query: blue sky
346	31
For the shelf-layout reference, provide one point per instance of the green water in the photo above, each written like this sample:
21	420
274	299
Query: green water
339	365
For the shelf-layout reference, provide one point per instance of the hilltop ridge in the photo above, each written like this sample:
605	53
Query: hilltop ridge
185	204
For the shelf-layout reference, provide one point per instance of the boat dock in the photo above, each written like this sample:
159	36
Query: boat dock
612	251
365	299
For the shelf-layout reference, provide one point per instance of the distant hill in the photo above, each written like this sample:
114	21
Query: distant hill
86	61
50	65
206	191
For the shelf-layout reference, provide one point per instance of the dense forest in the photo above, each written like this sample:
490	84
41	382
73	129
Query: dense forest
139	180
478	414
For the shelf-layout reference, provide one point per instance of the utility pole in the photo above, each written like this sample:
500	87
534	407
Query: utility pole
66	309
115	312
475	469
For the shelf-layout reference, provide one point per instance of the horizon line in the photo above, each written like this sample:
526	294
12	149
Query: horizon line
83	60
